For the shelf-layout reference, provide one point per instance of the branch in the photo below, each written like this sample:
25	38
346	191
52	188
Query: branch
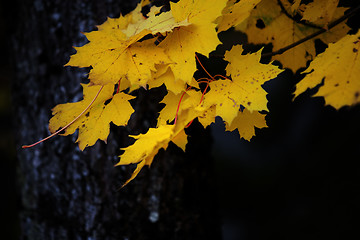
331	25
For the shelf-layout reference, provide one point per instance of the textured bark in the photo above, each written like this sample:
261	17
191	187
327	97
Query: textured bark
69	194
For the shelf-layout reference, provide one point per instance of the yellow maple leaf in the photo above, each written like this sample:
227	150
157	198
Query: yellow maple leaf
248	76
136	15
110	25
113	60
95	123
208	116
339	67
197	11
182	43
180	140
190	99
234	14
281	31
114	52
338	31
245	122
147	145
167	114
320	11
164	75
161	23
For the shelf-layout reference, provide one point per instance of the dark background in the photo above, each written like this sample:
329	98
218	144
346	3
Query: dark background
297	179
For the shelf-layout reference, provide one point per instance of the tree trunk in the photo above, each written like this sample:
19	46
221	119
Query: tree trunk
69	194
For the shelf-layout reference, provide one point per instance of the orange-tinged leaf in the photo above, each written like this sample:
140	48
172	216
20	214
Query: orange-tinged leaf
248	76
95	123
245	122
339	67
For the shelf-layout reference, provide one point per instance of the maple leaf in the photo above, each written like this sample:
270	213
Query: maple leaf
164	75
182	43
234	14
281	31
245	122
155	23
339	67
147	145
113	51
190	99
113	59
180	140
168	113
319	11
248	76
95	123
208	116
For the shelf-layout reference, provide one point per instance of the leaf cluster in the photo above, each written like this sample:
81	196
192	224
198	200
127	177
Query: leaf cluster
162	48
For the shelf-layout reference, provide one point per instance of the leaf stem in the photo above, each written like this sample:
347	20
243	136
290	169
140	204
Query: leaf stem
219	75
182	96
203	67
178	107
118	87
67	125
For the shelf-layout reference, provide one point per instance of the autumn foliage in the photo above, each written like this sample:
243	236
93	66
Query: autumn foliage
162	48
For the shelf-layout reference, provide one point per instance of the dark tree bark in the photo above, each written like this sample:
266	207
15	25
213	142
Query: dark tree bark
69	194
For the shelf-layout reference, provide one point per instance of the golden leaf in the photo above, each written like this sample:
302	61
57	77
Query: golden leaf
234	14
268	24
95	123
248	76
182	43
147	145
245	122
339	67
